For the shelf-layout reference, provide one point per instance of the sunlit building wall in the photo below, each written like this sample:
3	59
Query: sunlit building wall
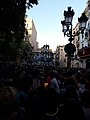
76	42
60	56
84	49
32	33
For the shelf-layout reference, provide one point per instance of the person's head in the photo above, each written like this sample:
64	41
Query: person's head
53	74
70	94
8	100
7	94
24	82
69	81
85	99
67	74
72	110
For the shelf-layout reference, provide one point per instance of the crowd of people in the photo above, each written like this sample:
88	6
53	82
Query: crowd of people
29	92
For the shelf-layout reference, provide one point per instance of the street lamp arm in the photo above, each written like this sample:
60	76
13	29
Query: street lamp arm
67	30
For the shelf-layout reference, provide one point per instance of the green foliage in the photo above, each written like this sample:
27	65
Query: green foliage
12	13
12	25
29	3
12	17
25	51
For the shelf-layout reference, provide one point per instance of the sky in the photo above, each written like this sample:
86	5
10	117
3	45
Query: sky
47	17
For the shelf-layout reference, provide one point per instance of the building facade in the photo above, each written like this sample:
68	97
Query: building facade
82	43
84	49
31	35
75	60
60	56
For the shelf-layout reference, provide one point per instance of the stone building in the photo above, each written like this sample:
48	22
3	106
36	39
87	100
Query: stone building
60	57
31	34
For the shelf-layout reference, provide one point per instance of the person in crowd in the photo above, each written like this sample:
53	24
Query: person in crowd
9	109
51	105
53	82
71	108
85	100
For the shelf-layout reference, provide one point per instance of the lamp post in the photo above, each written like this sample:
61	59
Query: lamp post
67	30
82	20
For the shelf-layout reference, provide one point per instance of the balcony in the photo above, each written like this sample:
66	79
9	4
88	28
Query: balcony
84	52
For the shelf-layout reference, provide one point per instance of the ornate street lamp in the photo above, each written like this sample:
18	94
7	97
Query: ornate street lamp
67	23
64	26
68	16
67	30
83	20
